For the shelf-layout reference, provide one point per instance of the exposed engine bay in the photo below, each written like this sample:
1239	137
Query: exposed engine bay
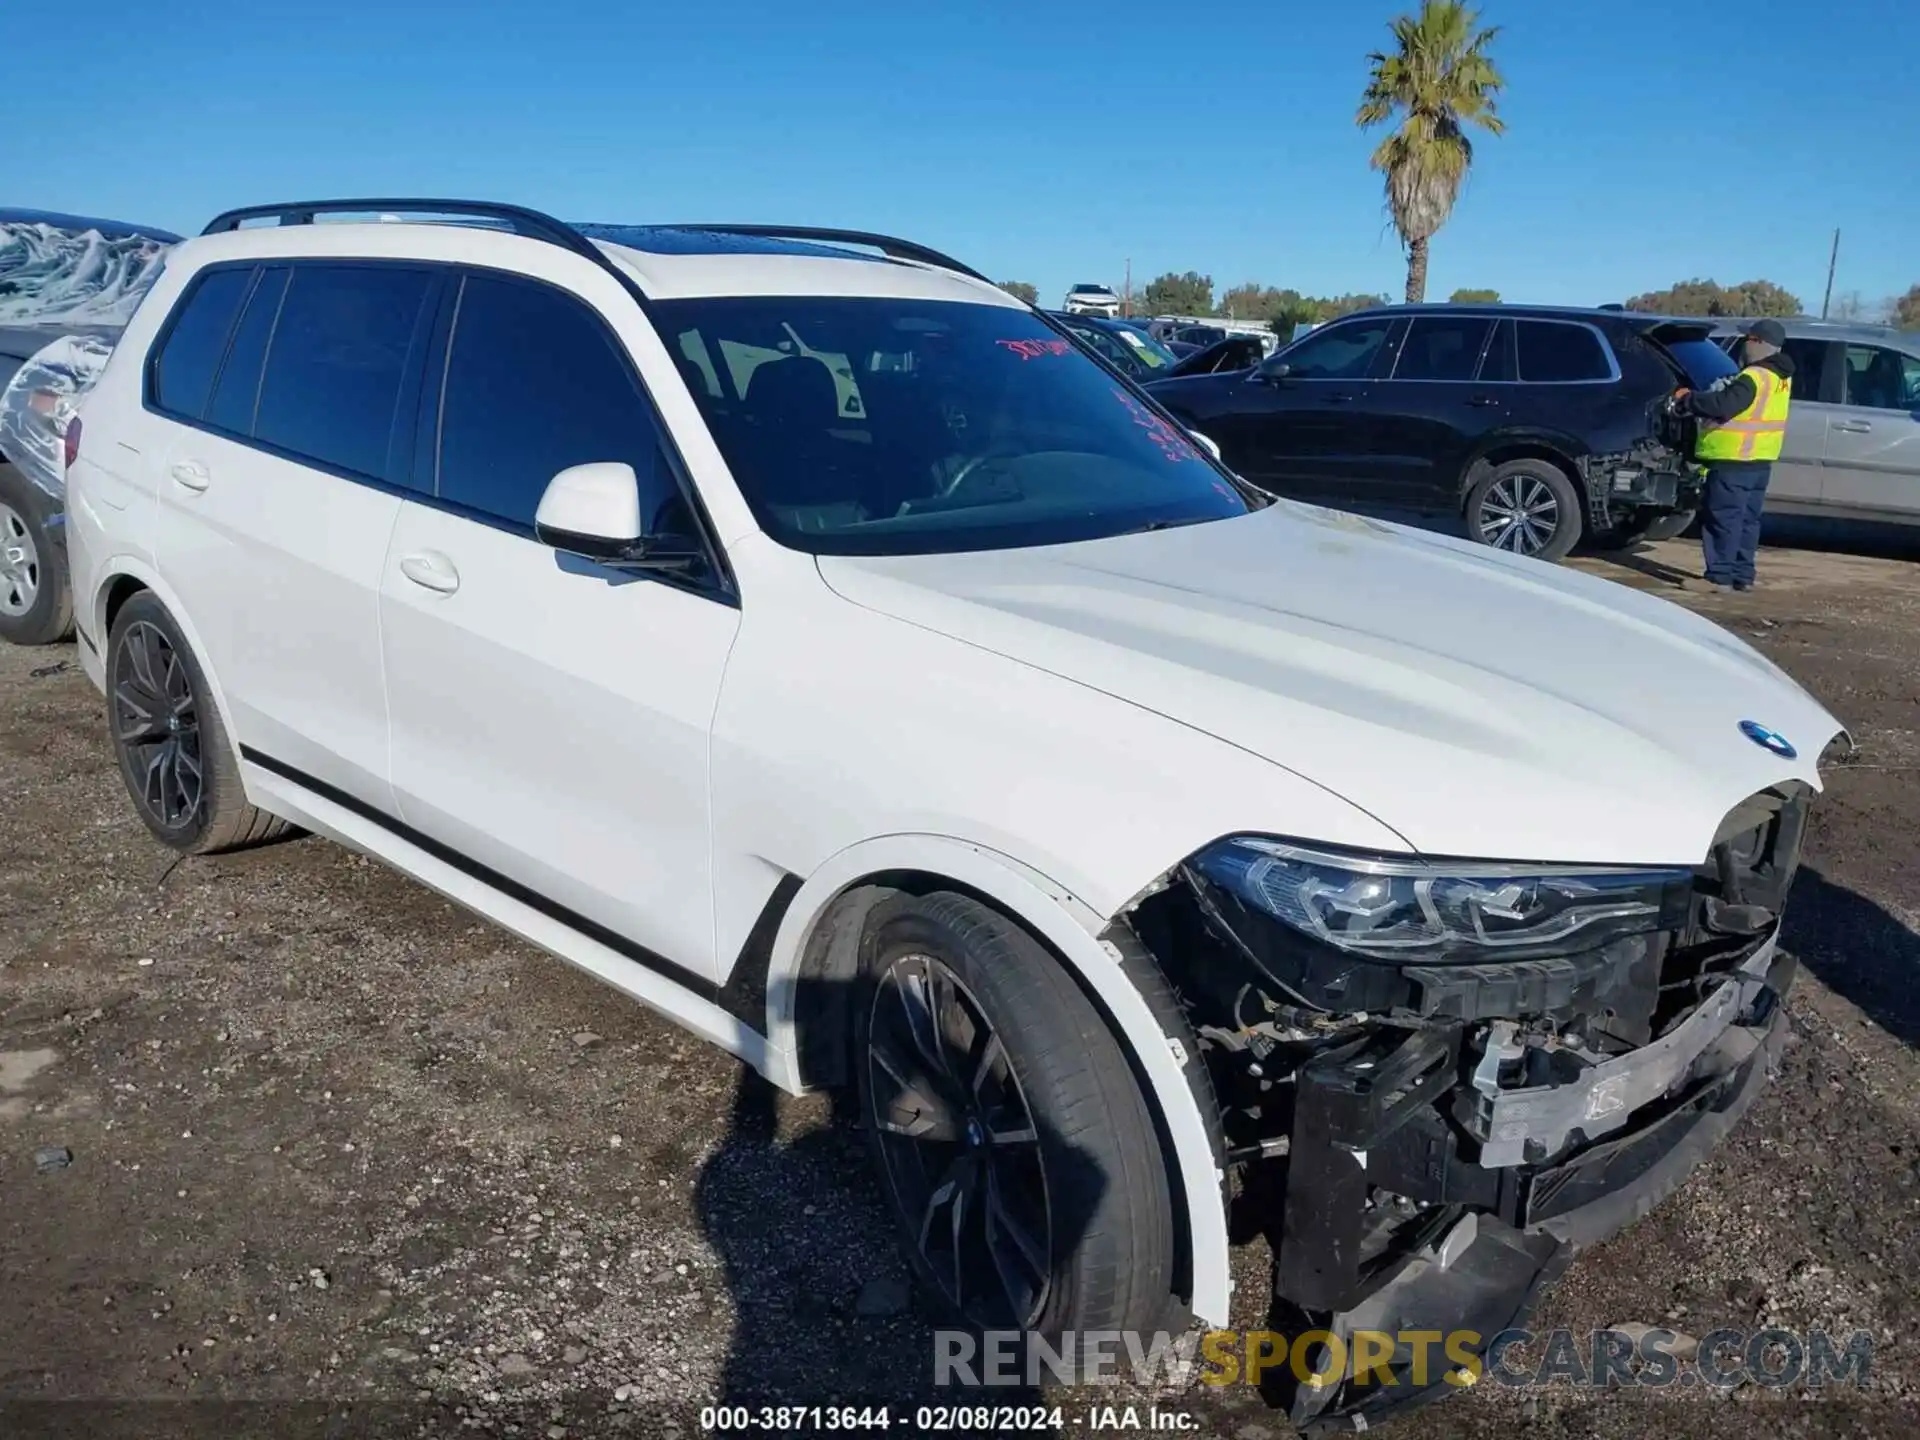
1426	1144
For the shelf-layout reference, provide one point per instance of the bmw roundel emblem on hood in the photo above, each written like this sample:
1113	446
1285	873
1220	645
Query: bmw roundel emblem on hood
1768	739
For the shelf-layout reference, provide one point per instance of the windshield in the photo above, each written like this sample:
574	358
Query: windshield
1135	353
867	426
1091	290
1149	351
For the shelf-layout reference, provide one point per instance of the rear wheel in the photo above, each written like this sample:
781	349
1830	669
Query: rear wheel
35	605
1013	1142
1525	507
174	753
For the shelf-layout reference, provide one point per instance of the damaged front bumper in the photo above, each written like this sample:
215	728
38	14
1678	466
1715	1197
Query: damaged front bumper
1427	1143
1501	1231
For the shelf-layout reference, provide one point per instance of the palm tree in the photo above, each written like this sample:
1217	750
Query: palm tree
1437	81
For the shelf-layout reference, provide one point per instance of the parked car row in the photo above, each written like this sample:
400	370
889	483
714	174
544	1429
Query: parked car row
1131	347
877	684
1540	427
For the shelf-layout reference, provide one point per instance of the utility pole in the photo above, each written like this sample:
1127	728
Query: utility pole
1128	292
1833	260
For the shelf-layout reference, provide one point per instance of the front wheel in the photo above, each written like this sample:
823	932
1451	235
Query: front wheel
1525	507
1013	1142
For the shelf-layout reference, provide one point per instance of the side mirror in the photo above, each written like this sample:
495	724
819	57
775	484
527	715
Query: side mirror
1273	372
593	511
1208	444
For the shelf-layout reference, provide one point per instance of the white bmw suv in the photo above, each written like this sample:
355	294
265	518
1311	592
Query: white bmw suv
822	648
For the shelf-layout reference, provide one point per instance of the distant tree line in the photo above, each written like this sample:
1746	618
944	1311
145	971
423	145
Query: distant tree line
1705	297
1191	293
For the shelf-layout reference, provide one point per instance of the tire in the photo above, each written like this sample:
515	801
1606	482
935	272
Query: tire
181	771
1671	526
1643	526
1057	1147
36	605
1525	507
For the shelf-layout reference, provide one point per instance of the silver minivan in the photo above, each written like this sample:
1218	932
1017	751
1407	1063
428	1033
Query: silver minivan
1853	434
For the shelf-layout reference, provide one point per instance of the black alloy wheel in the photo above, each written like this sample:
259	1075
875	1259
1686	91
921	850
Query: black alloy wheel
959	1144
156	723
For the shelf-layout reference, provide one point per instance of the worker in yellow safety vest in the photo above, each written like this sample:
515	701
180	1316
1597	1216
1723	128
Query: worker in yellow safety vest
1743	423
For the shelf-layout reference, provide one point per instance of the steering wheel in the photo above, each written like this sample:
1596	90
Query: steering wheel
968	470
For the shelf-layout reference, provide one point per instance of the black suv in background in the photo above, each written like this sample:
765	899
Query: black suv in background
1539	426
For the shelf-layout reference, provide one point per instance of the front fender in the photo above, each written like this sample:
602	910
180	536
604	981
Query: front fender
1073	931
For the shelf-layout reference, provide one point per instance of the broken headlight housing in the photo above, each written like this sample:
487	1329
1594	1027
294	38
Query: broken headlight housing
1399	909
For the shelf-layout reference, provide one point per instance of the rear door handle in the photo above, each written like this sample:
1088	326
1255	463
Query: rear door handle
1853	427
190	475
1337	399
431	571
1483	400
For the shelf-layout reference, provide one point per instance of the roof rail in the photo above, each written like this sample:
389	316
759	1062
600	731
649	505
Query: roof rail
516	218
537	226
888	245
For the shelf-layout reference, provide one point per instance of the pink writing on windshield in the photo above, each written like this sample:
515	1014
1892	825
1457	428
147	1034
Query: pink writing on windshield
1172	443
1034	349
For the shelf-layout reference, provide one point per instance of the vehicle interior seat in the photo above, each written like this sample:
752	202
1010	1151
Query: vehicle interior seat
790	407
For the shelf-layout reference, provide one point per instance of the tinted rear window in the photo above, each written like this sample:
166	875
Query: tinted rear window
1442	347
1809	367
190	356
1552	350
333	378
238	387
1703	361
535	385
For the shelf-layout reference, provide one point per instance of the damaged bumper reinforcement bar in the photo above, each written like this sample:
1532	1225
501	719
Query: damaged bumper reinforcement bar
1616	1138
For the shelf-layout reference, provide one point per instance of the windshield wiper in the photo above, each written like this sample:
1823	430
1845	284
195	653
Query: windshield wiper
1167	524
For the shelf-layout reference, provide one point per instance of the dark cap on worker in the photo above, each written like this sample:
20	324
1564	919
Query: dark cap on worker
1772	332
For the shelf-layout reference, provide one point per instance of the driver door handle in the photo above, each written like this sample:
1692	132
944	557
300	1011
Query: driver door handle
1853	427
190	475
431	570
1337	399
1483	400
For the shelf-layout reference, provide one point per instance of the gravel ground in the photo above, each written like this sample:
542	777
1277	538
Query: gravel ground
345	1161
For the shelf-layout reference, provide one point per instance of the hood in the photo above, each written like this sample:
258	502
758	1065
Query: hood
1477	704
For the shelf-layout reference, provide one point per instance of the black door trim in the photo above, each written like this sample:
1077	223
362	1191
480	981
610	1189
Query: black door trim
739	997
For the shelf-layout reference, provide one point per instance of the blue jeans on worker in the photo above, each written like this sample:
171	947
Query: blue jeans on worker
1730	520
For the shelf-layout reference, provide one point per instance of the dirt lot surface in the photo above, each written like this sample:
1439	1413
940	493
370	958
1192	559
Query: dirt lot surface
346	1161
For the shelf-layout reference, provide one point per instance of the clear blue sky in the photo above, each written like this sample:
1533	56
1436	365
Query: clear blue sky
1048	141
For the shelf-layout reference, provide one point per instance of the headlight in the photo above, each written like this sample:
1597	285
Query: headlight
1403	910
